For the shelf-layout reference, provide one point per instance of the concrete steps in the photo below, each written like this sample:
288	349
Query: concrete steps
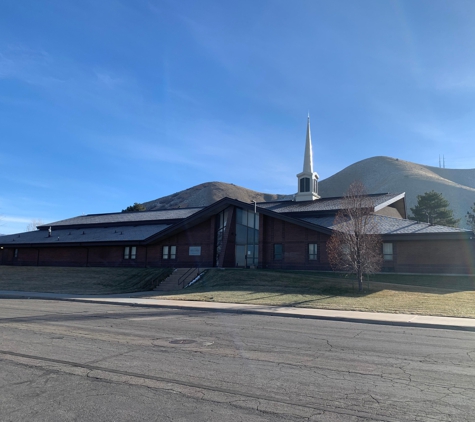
178	279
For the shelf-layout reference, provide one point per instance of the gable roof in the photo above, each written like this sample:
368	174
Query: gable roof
332	205
123	218
391	227
96	235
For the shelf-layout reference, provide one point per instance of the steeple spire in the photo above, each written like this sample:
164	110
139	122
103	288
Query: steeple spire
308	157
308	179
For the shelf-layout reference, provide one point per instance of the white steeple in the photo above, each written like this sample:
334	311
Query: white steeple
308	179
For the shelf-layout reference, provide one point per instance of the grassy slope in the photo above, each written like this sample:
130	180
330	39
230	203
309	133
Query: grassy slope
73	280
413	294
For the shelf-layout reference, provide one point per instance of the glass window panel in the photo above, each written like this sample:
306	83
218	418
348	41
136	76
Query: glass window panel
126	252
165	252
250	251
250	236
172	252
244	218
388	251
240	256
312	251
225	219
238	216
241	234
133	252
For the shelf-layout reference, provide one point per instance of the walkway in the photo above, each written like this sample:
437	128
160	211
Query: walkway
146	299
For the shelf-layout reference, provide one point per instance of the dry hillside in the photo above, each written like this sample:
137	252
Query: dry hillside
207	193
379	174
385	174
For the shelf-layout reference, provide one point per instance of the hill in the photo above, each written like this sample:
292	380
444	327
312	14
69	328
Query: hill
386	174
379	174
208	193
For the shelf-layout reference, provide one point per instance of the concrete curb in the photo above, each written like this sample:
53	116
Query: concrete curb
402	320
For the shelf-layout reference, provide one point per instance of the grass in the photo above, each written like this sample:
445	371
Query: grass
395	293
412	294
73	280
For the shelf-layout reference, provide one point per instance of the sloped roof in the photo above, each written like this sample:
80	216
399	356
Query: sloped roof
125	218
380	200
116	234
390	225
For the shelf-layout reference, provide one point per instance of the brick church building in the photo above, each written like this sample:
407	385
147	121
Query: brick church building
286	234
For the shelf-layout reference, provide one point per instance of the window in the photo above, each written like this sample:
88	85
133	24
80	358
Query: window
169	252
130	252
388	251
247	238
304	184
15	253
278	254
312	251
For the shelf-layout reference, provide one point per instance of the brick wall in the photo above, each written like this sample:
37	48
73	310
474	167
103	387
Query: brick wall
295	240
201	235
436	256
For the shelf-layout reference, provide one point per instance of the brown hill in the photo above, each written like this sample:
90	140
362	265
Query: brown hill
208	193
386	174
379	174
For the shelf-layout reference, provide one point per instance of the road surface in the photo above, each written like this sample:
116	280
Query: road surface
64	361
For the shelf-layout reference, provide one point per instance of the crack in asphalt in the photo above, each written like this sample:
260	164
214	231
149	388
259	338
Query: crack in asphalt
226	391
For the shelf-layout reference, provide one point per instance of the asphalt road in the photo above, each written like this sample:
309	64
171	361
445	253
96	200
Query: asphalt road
64	361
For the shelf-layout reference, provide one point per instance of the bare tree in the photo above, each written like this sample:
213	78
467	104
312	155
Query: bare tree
33	224
355	246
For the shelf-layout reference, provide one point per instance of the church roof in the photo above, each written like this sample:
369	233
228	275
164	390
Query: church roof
391	226
116	234
125	218
326	204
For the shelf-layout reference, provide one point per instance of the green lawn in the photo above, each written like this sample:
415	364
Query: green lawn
413	294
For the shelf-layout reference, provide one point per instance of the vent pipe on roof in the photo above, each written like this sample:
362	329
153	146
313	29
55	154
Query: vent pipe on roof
49	232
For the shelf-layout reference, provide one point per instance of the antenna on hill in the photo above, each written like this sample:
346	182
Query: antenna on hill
444	160
439	162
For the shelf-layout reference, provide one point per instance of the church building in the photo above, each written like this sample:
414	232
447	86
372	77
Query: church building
285	234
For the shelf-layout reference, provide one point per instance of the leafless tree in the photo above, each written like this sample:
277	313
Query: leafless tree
33	224
355	246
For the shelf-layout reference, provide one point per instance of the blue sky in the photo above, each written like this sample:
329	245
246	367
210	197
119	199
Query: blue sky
106	103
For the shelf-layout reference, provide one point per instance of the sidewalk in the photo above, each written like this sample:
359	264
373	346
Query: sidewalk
138	299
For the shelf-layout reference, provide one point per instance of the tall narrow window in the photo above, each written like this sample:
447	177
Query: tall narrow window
172	252
166	253
15	253
278	255
126	252
312	251
304	184
247	238
388	251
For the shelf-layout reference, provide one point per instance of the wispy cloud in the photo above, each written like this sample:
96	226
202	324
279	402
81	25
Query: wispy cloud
15	219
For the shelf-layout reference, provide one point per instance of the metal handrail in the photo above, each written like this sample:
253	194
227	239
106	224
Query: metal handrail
181	280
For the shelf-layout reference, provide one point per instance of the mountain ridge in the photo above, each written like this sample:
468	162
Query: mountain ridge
379	174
